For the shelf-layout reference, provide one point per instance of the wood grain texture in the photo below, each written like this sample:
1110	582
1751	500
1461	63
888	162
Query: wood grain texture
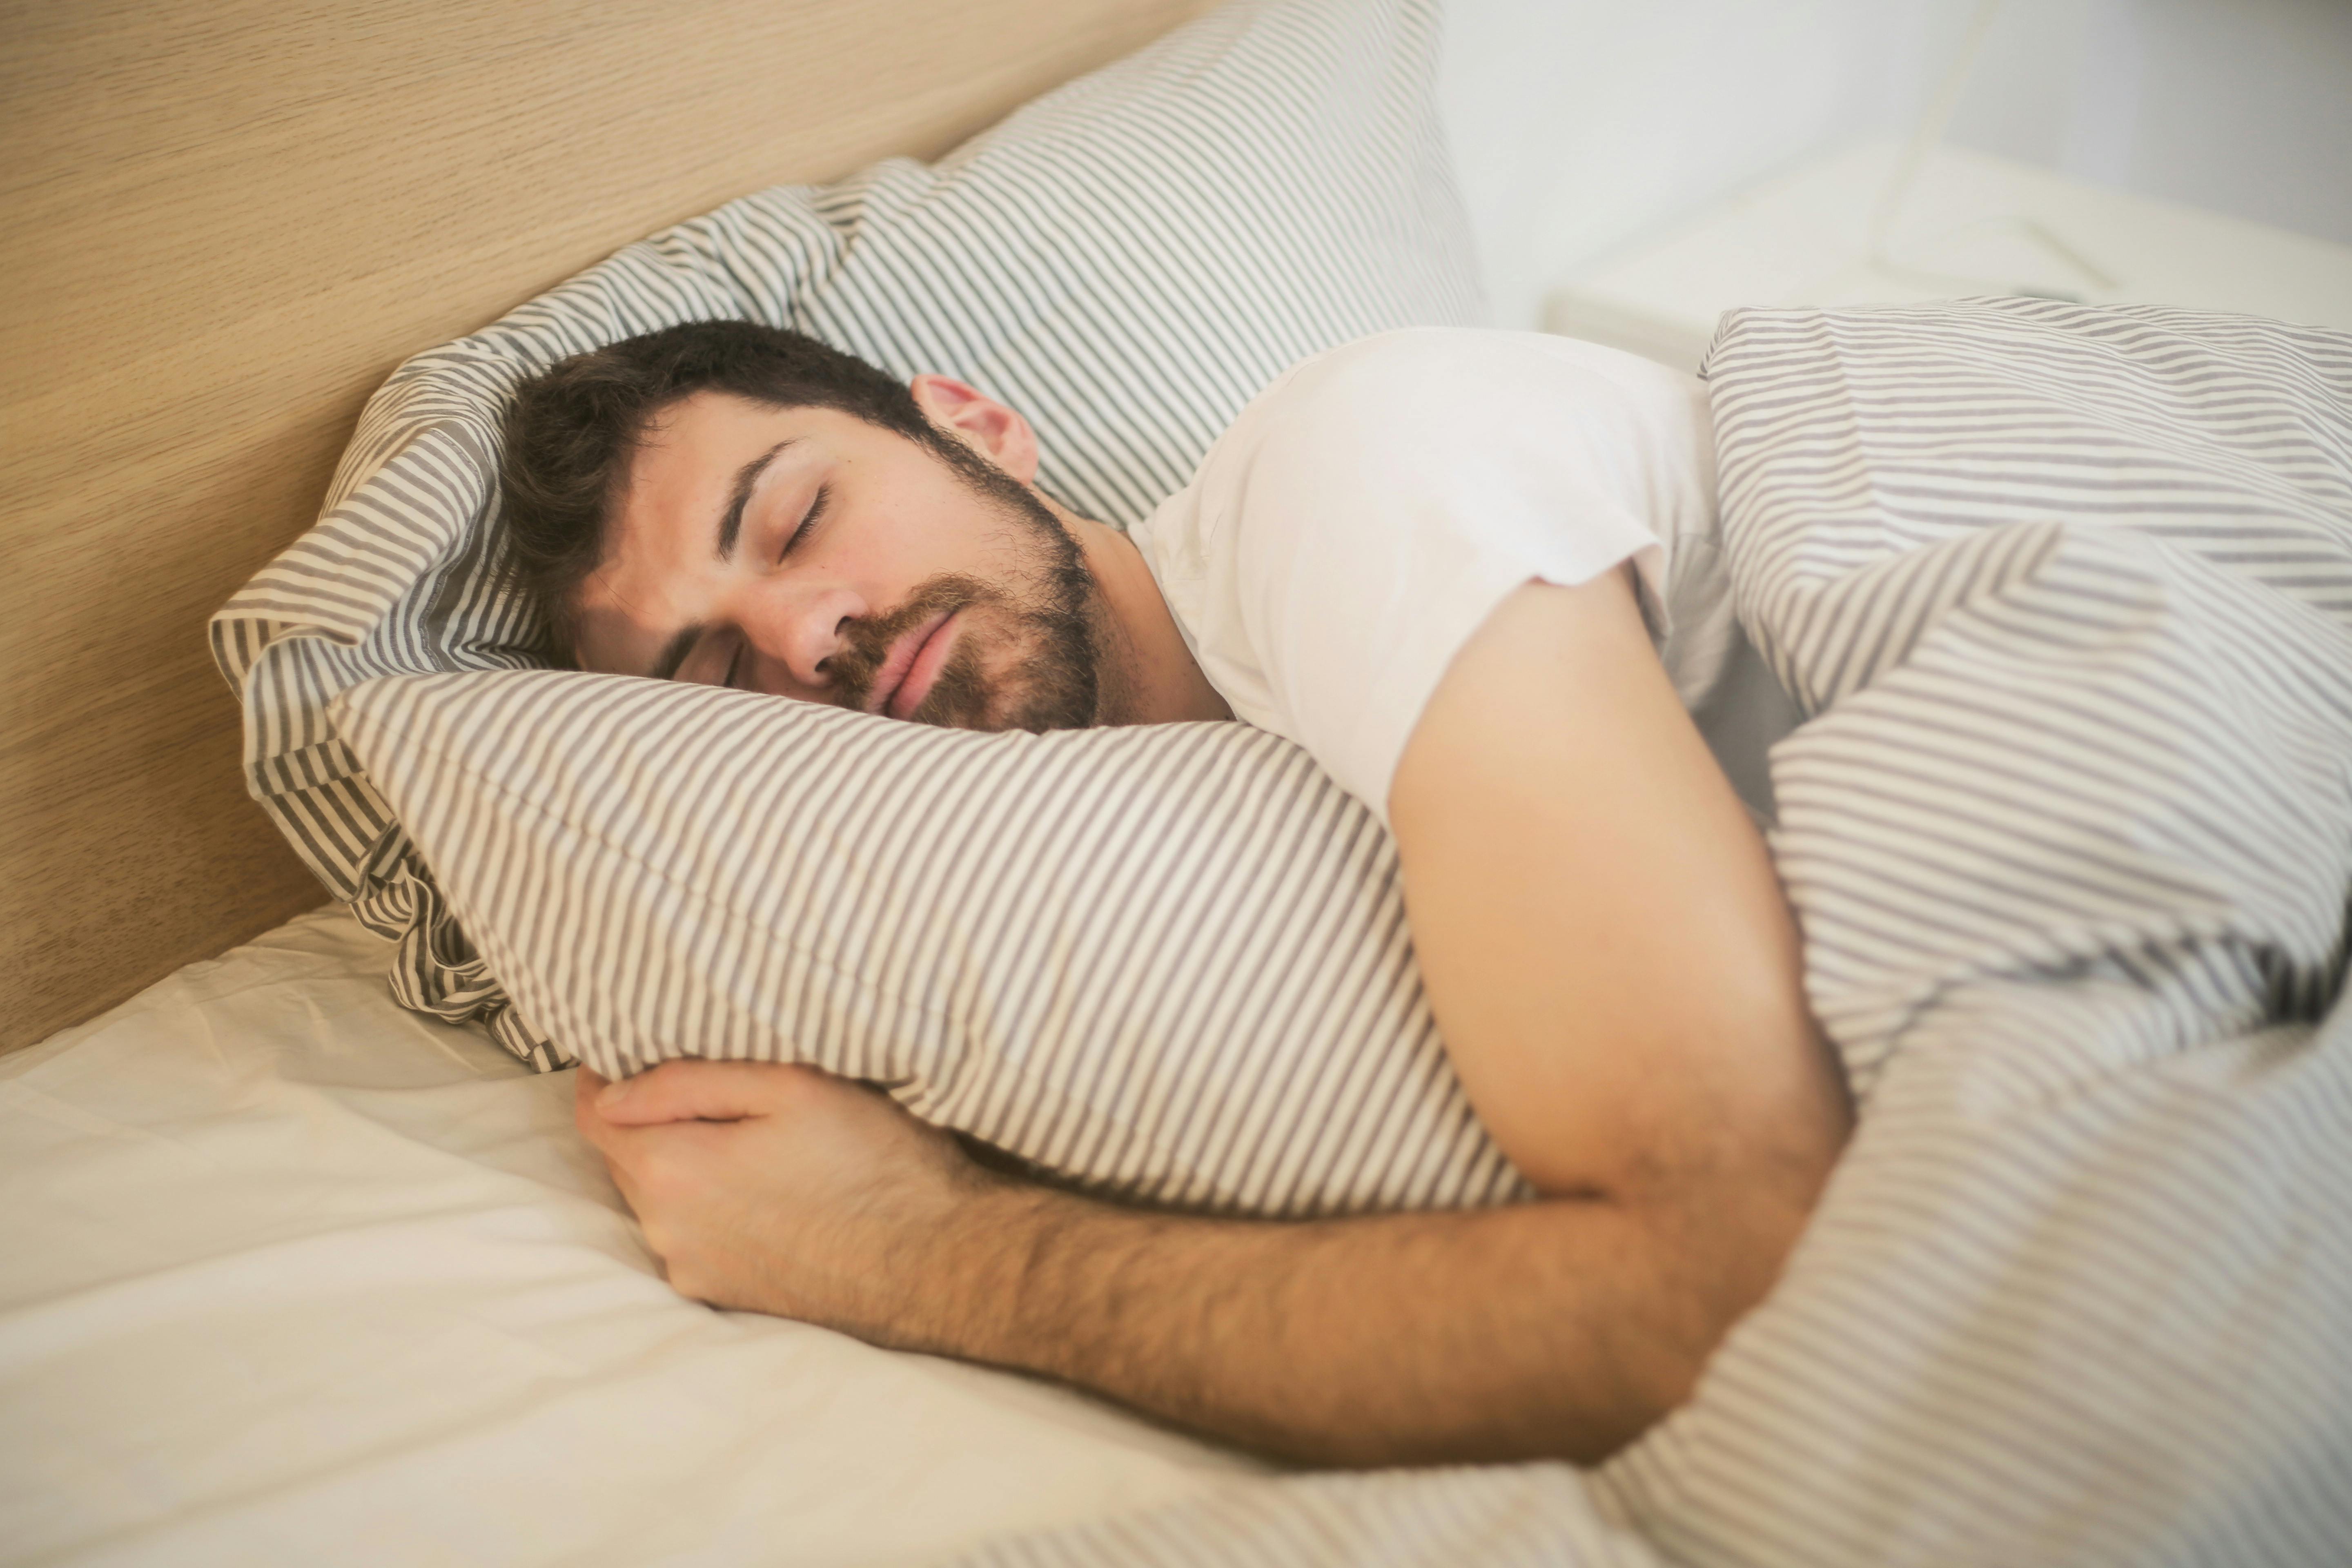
226	222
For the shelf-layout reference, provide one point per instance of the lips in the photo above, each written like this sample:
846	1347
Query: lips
914	664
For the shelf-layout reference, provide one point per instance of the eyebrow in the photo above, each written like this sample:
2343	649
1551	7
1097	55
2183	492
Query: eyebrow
730	523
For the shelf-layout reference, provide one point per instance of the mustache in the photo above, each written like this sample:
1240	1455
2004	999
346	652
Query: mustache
867	642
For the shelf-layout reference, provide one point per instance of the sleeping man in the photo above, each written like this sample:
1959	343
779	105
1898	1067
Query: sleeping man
1439	560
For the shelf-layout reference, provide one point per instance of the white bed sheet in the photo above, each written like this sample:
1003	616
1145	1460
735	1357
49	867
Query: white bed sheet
289	1274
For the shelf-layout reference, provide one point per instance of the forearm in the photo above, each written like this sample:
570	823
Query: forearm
1562	1327
1555	1328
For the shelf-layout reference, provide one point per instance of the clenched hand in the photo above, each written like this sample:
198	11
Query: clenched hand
787	1190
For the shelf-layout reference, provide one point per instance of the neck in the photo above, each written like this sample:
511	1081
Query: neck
1162	683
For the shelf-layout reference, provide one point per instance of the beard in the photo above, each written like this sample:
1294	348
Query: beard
1040	625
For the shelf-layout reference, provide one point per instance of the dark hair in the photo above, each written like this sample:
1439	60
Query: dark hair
573	428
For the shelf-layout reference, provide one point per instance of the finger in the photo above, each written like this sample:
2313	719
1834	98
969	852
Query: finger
697	1092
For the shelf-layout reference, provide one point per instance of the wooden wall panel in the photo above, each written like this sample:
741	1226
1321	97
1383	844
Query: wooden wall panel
225	222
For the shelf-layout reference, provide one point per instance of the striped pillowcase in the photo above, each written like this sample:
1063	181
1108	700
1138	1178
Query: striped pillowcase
1168	961
1127	261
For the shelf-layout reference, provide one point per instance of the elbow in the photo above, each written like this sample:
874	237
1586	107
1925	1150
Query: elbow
1719	1233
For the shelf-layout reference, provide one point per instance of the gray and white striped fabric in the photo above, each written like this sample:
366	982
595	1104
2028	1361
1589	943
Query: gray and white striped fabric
2069	592
1127	261
1170	961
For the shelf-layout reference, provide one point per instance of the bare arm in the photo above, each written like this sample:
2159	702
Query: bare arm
1610	960
1615	975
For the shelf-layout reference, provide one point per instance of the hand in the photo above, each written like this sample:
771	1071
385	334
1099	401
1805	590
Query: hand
787	1190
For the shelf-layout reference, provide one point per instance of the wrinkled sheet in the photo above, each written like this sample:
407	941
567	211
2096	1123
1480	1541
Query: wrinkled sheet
289	1274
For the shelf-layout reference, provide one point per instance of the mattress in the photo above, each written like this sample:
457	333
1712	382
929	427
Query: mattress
288	1274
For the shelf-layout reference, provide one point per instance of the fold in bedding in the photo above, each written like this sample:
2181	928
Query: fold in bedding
293	1275
2067	594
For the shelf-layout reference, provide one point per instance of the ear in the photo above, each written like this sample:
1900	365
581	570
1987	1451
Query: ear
986	425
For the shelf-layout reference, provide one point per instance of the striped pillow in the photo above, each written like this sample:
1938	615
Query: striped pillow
1170	961
1127	261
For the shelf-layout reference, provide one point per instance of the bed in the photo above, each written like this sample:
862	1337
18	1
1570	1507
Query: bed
296	1271
288	203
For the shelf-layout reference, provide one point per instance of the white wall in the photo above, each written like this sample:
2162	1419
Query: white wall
2242	106
1580	124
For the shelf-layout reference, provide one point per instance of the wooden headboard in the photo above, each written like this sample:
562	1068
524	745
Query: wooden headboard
227	221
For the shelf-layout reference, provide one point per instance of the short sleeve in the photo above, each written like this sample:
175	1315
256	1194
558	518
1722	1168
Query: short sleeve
1345	539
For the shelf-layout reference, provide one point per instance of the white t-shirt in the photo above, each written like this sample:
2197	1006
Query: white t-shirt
1343	539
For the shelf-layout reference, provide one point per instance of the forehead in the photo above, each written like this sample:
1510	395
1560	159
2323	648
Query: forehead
685	465
697	443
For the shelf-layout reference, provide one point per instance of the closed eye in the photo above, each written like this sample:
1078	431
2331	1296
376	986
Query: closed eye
808	523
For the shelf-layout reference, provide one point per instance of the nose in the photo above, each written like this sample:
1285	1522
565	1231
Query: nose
793	628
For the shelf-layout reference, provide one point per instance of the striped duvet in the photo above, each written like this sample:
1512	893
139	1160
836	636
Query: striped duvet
2068	592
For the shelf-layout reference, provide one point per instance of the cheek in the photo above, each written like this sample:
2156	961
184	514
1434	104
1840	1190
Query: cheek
925	526
1004	643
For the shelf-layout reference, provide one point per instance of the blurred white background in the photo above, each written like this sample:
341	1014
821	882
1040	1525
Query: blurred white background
1582	126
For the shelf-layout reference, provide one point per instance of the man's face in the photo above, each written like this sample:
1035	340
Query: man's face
804	552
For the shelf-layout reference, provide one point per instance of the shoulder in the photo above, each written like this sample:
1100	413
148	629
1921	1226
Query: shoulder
1432	406
1477	414
1456	376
